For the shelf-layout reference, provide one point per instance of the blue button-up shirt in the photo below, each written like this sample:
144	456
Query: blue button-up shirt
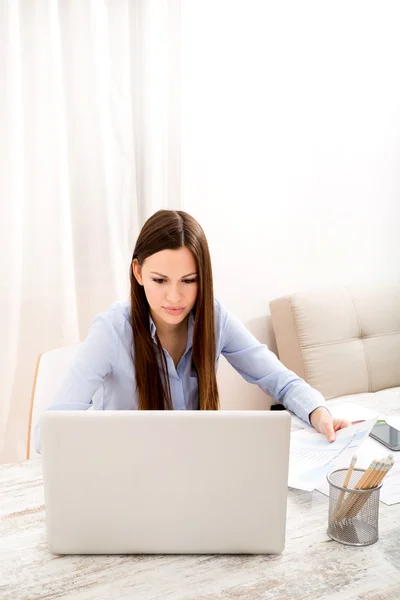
102	375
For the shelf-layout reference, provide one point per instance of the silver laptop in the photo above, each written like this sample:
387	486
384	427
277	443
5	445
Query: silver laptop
161	482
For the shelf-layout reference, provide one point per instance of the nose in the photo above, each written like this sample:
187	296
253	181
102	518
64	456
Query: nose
173	294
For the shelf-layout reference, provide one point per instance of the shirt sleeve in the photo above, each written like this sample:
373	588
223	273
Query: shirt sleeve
257	364
92	364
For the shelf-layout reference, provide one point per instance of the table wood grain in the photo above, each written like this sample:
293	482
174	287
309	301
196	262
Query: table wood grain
311	567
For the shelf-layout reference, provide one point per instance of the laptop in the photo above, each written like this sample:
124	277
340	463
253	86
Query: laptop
165	482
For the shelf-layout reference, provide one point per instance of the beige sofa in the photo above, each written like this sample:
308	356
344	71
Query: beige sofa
344	341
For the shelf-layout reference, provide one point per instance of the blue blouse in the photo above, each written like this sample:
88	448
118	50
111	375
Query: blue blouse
102	374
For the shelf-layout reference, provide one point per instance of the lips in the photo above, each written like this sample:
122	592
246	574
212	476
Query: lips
174	311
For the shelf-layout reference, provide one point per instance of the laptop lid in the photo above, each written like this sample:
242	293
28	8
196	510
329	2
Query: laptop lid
165	481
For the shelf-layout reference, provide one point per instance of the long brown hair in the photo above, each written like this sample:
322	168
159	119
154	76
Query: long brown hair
171	230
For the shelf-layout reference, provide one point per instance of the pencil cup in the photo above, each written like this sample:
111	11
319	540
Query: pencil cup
353	514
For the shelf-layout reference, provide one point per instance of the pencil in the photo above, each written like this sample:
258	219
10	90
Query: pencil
345	484
387	464
351	499
367	475
375	476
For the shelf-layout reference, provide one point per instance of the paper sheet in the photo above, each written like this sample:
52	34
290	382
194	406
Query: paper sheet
352	411
368	450
312	456
390	492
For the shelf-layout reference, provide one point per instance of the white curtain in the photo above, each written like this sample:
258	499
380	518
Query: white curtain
89	148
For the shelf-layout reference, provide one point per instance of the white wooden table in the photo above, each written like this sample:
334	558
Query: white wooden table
311	566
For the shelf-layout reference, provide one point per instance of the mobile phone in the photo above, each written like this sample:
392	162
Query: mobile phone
386	435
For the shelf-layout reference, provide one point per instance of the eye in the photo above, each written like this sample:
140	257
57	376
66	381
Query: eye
189	280
159	280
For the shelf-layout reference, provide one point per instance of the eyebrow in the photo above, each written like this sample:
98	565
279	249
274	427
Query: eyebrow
166	277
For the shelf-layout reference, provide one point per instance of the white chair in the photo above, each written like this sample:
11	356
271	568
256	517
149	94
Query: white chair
51	369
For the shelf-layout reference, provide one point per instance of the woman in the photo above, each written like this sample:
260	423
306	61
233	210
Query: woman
161	349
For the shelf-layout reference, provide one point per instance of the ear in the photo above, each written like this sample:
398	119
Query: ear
137	271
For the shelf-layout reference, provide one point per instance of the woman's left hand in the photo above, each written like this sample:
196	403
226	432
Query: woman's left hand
322	421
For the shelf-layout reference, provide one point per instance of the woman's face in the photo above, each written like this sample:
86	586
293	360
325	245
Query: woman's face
170	282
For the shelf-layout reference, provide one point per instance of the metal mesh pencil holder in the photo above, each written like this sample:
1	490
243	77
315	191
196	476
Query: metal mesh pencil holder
353	514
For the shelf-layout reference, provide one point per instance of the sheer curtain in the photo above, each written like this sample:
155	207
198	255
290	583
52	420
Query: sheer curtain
89	148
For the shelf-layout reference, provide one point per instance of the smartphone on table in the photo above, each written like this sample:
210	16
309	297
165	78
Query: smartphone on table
386	435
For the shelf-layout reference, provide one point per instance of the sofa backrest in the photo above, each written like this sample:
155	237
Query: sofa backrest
342	340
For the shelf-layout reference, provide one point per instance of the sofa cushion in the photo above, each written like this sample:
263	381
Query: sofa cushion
343	340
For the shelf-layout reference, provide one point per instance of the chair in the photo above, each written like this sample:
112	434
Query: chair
51	369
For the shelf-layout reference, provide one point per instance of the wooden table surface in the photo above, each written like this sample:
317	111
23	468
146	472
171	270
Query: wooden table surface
311	567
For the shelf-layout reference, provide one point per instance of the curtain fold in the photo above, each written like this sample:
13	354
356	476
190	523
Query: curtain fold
89	148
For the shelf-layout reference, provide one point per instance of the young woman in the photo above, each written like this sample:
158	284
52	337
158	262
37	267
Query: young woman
161	349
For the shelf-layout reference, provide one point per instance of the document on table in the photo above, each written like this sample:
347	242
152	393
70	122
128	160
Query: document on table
370	449
390	492
312	457
367	451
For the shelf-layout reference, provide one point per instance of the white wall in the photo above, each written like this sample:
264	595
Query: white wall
291	150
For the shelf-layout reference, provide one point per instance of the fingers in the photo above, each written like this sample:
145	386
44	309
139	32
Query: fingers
329	431
327	425
340	424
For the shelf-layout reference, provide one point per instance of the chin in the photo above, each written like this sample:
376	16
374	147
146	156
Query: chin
174	318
